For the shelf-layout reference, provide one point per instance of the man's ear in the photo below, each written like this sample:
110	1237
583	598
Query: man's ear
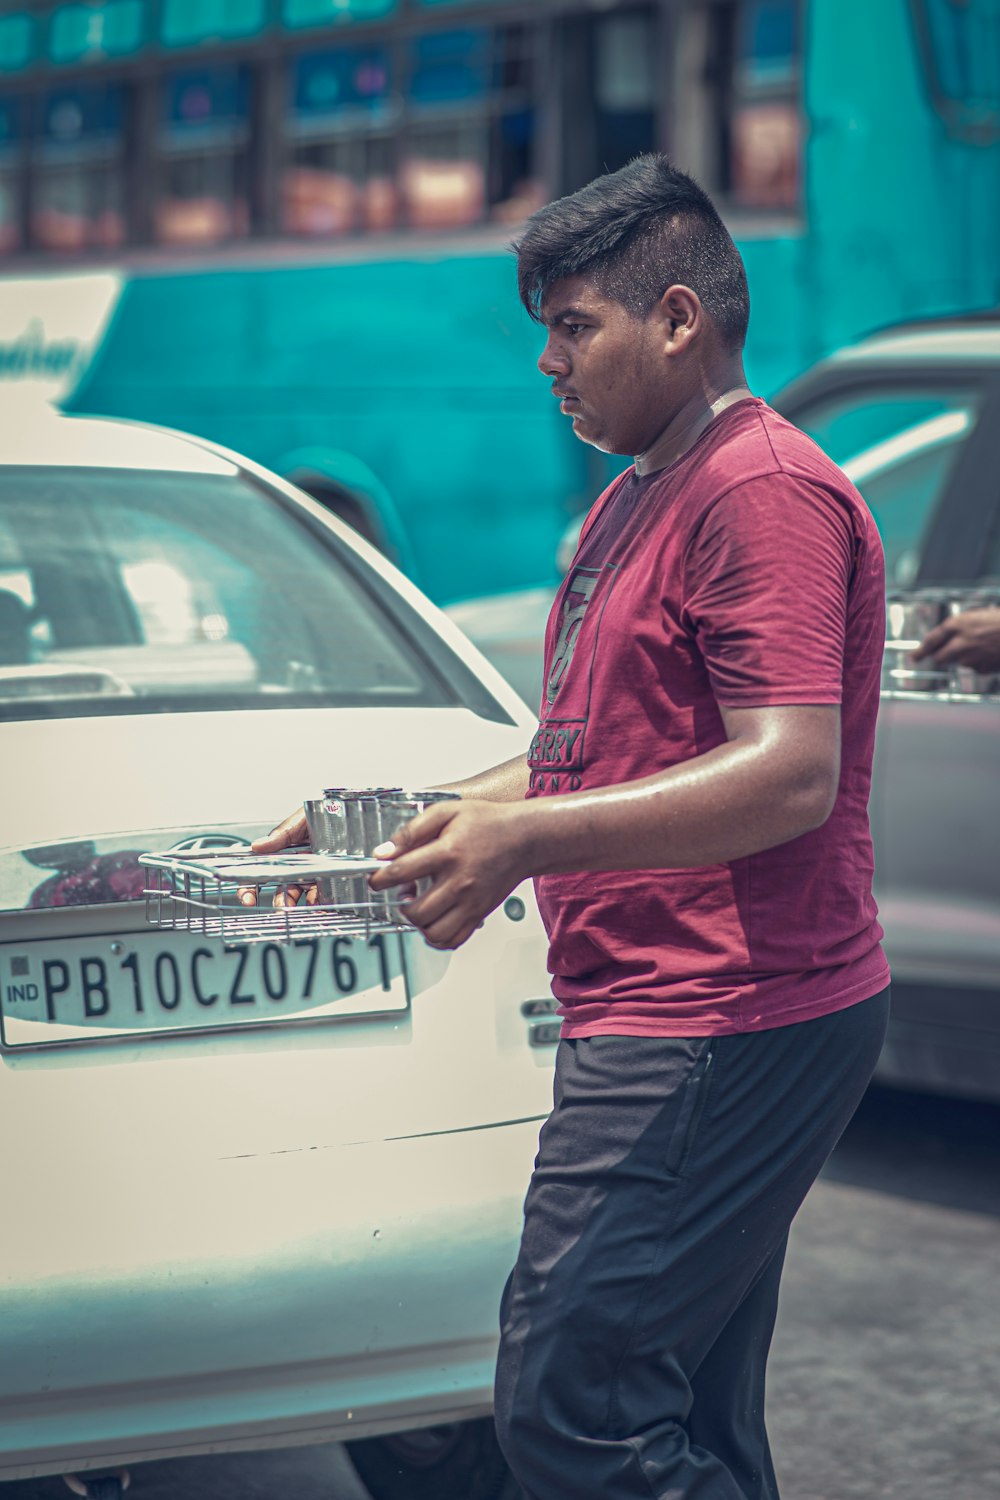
682	317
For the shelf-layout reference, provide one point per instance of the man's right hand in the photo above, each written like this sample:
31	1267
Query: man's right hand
292	830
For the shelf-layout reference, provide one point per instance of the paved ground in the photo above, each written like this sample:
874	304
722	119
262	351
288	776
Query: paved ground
886	1363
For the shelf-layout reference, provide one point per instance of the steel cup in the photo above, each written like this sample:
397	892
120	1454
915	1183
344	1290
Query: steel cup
396	813
399	810
326	819
364	834
362	837
384	906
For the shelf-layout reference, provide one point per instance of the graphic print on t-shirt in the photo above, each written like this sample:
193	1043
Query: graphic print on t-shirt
558	747
579	592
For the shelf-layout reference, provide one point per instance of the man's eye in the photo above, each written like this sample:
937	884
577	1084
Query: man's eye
573	329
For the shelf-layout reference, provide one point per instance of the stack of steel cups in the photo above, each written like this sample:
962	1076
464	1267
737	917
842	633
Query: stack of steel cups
354	821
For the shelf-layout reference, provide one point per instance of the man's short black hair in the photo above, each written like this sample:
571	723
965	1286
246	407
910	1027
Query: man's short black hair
635	232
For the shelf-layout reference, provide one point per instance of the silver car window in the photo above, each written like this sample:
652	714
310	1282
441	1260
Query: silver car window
899	444
903	479
847	423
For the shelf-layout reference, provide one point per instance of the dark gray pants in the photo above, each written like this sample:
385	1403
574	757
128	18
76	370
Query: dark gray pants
637	1320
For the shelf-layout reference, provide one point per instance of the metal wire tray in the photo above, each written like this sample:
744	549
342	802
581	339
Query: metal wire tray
199	893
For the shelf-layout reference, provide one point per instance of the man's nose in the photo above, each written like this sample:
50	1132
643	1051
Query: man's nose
552	360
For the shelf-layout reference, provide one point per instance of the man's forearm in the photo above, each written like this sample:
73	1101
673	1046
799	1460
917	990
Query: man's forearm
504	783
774	779
747	795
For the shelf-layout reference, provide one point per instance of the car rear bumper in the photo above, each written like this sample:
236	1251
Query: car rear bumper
378	1316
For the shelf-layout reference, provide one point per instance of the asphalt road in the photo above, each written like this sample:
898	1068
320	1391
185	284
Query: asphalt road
886	1362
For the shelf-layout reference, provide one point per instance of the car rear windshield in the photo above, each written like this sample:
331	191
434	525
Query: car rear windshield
125	591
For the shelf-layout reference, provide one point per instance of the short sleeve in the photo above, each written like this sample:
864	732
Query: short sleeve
766	580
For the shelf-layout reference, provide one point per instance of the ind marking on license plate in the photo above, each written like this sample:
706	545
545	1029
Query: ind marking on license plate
89	989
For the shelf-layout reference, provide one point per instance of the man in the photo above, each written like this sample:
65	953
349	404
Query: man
971	639
693	810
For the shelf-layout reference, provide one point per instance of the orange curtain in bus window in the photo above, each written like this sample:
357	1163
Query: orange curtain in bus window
443	194
766	144
443	178
317	201
202	191
339	176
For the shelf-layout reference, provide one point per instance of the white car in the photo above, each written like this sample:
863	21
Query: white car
268	1195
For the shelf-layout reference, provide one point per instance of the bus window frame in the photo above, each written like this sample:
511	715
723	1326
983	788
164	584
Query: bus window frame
270	52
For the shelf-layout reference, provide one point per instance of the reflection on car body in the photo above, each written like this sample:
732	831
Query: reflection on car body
264	1193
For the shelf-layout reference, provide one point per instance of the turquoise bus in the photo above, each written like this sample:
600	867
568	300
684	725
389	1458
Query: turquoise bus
286	222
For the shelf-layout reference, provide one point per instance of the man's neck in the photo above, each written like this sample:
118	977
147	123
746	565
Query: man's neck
687	425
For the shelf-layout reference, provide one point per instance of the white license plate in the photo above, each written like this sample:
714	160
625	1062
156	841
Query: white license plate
89	989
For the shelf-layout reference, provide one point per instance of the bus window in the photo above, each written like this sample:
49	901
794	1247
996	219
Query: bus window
95	32
764	127
738	111
78	158
468	151
317	12
444	176
340	174
188	22
444	170
513	186
11	125
203	156
624	87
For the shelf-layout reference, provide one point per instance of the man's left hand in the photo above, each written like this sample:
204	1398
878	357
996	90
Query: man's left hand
472	851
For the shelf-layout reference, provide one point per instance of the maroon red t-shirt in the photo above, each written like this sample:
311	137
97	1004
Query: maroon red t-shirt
747	573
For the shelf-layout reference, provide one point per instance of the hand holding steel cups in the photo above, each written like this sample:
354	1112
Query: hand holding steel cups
354	822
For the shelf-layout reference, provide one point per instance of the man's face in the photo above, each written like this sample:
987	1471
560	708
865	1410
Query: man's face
607	368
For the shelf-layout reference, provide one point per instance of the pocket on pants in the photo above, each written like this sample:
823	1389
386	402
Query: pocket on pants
692	1108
